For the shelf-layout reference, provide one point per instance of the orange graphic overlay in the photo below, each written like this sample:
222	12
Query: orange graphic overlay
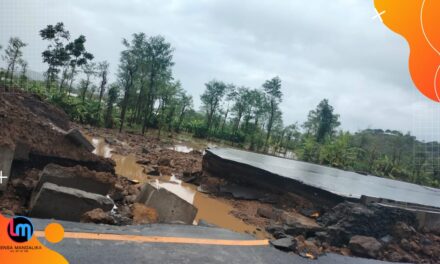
31	251
418	22
159	239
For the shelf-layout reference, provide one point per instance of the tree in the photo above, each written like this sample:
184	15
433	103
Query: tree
89	70
102	72
322	122
111	99
185	103
159	58
13	56
241	105
260	107
272	89
56	55
23	76
78	57
211	98
128	67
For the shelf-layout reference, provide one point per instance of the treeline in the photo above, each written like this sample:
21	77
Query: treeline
146	96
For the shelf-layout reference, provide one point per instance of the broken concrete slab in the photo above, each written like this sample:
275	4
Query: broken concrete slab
170	207
78	138
22	151
78	178
53	201
6	158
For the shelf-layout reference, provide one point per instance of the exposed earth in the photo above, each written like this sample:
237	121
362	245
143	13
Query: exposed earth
128	160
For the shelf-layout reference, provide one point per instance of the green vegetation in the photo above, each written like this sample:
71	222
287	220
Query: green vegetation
146	96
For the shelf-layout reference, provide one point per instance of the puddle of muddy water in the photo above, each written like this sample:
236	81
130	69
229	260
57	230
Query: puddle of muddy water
211	210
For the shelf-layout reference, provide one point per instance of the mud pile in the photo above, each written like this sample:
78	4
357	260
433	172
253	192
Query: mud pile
34	135
38	127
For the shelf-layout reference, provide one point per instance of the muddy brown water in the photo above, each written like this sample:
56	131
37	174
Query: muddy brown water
213	211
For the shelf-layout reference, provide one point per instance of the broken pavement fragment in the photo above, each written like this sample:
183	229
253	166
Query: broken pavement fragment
170	207
78	178
6	157
63	203
78	138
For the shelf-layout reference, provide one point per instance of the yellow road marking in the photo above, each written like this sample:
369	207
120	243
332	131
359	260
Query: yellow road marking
159	239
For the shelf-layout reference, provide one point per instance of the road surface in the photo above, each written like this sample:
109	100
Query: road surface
103	244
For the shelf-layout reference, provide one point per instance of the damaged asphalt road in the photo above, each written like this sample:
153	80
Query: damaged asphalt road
101	251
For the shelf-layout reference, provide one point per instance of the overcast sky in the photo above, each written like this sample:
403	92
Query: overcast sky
319	48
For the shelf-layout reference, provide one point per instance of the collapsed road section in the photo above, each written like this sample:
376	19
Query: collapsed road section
374	217
292	175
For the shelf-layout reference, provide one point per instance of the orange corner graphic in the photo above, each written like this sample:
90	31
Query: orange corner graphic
32	250
417	21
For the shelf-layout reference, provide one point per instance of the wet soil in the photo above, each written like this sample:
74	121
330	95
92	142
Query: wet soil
217	211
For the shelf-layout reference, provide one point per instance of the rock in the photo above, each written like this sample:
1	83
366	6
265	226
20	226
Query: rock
306	248
402	230
130	199
414	246
117	193
170	207
323	236
313	213
276	230
77	177
97	216
154	172
23	187
6	157
163	161
285	244
270	213
143	215
296	224
364	246
348	219
78	138
143	161
63	203
145	150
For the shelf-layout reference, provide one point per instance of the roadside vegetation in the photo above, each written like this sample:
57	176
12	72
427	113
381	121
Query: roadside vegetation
146	96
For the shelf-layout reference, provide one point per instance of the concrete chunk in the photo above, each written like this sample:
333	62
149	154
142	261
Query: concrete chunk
22	151
53	201
76	177
170	207
6	158
78	138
